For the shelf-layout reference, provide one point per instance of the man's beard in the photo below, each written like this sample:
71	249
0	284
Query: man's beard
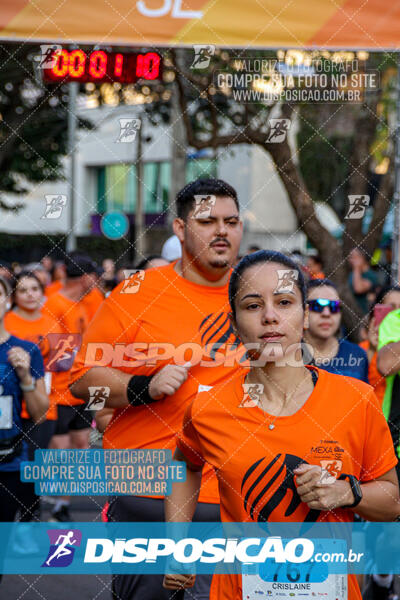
219	263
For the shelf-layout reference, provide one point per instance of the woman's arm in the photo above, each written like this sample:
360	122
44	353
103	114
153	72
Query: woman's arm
380	501
37	402
181	503
180	507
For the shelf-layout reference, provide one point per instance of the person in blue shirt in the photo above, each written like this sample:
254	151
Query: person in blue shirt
329	353
21	378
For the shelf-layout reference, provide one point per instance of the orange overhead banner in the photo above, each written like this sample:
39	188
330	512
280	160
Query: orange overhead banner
364	24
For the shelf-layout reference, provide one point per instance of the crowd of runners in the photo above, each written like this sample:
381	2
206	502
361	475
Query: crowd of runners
240	365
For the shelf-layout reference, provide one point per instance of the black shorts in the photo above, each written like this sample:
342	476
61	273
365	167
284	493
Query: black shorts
38	435
149	587
72	418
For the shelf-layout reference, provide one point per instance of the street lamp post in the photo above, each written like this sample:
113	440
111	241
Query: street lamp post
72	125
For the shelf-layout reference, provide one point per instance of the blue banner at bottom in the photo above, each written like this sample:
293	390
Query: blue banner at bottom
284	553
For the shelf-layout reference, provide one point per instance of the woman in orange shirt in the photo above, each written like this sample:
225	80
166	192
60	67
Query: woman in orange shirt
26	321
282	447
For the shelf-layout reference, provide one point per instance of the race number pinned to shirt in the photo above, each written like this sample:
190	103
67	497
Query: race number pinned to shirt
6	410
310	578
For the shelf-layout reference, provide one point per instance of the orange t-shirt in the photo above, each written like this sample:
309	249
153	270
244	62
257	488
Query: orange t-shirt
377	380
35	331
179	320
53	287
92	302
254	464
319	275
72	320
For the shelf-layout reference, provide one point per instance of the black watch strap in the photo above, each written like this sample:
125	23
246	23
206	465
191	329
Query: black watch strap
138	390
355	488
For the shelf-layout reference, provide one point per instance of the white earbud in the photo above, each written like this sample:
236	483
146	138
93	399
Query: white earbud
8	305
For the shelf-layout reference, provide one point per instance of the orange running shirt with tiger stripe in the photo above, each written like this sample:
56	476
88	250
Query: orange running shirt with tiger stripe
151	320
340	428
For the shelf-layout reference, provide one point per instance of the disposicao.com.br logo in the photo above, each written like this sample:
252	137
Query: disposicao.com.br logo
191	550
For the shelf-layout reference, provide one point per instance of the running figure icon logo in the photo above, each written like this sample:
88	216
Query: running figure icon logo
202	56
128	129
62	547
278	130
204	204
63	348
48	56
55	204
97	397
252	393
132	280
357	206
286	280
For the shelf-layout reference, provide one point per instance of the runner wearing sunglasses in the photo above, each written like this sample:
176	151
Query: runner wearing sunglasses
329	353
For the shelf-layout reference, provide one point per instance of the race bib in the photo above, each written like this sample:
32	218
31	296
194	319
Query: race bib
6	411
289	580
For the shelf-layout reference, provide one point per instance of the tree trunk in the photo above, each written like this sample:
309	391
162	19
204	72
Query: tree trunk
334	262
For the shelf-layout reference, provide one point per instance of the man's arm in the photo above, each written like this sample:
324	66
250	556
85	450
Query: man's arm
163	383
388	360
114	379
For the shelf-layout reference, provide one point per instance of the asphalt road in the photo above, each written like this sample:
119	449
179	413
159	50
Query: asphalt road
61	587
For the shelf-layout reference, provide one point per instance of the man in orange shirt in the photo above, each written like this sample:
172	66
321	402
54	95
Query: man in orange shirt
67	308
161	335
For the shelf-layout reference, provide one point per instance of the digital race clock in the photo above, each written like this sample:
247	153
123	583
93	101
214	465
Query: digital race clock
100	66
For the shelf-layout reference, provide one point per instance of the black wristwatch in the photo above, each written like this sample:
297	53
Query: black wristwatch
355	488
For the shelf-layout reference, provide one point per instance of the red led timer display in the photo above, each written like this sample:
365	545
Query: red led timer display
100	66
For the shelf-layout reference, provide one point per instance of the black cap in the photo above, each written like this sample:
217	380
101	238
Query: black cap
77	265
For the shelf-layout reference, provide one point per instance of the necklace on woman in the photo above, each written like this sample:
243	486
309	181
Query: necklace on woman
288	398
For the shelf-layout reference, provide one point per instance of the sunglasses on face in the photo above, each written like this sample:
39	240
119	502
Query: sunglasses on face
319	304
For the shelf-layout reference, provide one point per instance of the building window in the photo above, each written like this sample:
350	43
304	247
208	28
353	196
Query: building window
116	184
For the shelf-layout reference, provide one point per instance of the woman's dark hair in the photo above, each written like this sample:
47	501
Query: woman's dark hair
316	258
143	264
202	187
5	284
315	283
260	257
385	290
22	275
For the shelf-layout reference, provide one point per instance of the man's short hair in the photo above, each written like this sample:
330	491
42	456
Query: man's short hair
79	264
185	199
